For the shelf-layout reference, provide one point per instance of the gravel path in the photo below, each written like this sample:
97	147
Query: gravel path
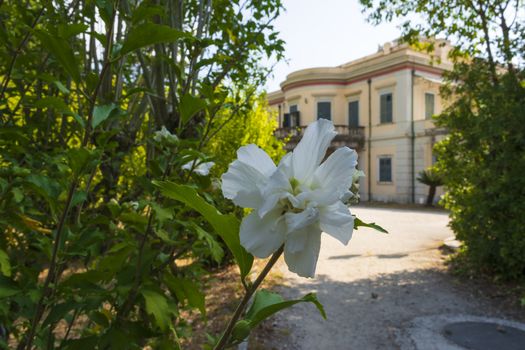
374	287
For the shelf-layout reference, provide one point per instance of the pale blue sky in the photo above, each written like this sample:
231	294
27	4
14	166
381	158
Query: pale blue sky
325	33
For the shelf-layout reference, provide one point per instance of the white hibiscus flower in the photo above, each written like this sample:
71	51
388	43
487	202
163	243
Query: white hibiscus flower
295	201
202	169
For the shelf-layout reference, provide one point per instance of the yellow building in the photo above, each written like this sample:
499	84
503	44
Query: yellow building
382	106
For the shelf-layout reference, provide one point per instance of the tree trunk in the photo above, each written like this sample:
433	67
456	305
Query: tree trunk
431	194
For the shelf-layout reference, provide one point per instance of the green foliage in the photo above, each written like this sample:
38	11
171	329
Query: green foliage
359	223
227	226
98	99
253	125
266	304
482	160
432	179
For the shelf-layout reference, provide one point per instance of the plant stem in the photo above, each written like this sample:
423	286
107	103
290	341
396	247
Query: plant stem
223	342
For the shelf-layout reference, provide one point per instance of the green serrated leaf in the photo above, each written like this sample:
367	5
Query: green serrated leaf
149	34
359	223
186	289
216	250
157	306
226	226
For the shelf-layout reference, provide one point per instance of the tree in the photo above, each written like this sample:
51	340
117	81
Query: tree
97	100
254	125
433	180
482	158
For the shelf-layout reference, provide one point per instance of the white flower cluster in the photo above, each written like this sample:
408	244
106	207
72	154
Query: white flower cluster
294	202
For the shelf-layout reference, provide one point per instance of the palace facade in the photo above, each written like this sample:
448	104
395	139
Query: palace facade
382	106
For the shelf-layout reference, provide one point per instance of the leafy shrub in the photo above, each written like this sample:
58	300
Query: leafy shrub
483	162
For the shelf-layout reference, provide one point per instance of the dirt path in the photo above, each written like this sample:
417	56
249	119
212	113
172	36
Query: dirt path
375	286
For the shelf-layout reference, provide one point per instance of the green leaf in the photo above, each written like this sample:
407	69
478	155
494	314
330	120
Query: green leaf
61	87
148	34
101	113
189	106
8	288
157	306
146	10
186	289
358	223
216	250
226	226
45	186
59	311
266	303
79	158
5	265
162	214
62	51
68	30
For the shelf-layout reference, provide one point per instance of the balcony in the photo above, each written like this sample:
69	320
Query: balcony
346	136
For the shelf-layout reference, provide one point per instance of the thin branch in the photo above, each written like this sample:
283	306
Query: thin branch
223	342
17	52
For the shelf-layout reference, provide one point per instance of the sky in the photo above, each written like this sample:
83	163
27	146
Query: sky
325	33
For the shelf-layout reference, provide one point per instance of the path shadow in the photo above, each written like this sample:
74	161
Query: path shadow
368	313
379	256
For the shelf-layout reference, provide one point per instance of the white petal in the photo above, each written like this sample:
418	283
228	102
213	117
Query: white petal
304	262
203	169
312	148
337	221
336	173
285	165
296	221
318	196
262	236
242	184
256	158
277	187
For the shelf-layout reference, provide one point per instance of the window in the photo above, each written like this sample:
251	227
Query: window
324	110
385	169
429	105
286	120
294	116
353	114
385	108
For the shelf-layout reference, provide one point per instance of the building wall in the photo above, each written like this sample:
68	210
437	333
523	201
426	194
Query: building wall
306	88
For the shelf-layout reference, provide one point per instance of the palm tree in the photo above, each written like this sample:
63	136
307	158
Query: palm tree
432	179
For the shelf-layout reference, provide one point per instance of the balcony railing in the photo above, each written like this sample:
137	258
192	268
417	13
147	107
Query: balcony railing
353	137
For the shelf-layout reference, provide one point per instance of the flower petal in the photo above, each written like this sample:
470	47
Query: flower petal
312	148
304	262
285	165
256	158
242	184
262	236
335	175
277	187
296	221
337	221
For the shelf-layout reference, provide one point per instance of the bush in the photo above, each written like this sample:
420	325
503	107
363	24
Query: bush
483	162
